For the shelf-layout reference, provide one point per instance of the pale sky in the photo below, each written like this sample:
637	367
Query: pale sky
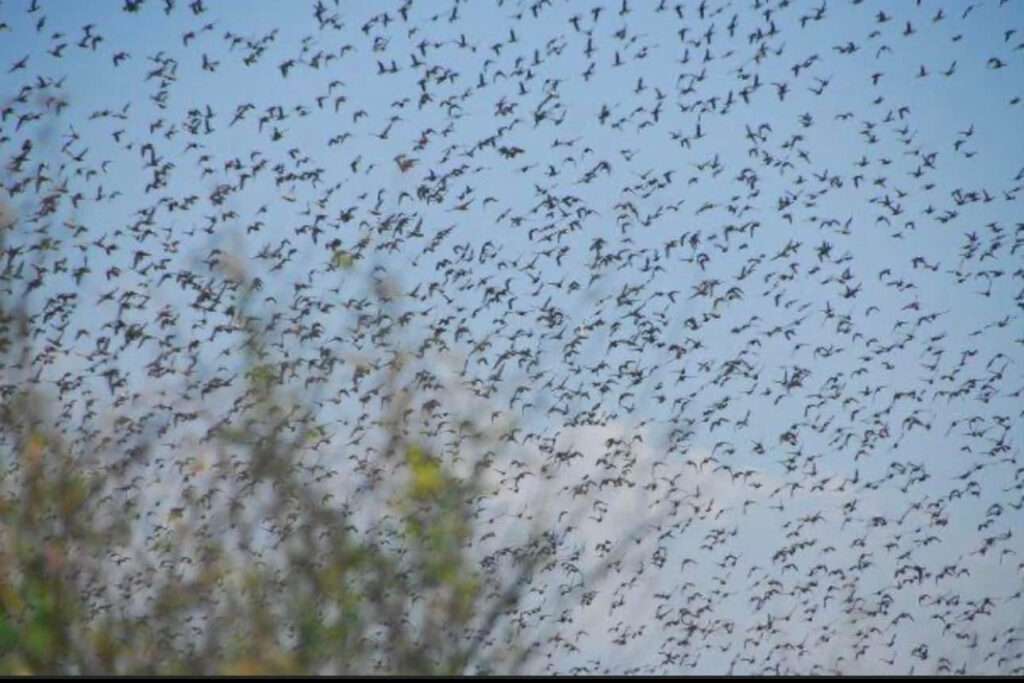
816	277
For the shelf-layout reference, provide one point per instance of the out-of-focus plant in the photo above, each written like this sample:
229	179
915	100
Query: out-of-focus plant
245	566
262	546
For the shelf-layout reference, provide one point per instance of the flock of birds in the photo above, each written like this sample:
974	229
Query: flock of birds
751	268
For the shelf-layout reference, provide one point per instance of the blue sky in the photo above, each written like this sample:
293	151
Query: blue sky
850	217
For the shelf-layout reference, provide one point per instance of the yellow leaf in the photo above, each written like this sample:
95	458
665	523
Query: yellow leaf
34	448
427	478
342	259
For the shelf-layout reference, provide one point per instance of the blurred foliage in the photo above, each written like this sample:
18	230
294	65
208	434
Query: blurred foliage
232	554
255	573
